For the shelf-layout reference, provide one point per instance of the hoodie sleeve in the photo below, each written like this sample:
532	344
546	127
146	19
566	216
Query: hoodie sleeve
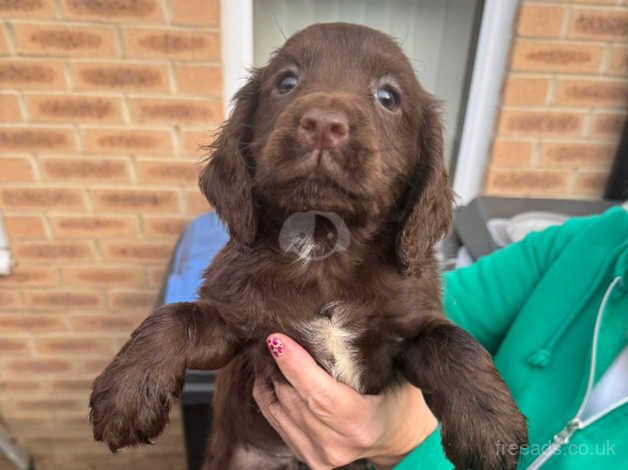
429	456
485	297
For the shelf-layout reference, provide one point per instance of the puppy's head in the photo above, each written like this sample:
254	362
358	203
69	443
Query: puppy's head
336	122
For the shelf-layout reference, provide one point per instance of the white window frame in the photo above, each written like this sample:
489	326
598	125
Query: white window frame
236	28
491	59
5	268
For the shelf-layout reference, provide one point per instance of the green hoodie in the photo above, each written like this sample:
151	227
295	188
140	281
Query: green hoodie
534	306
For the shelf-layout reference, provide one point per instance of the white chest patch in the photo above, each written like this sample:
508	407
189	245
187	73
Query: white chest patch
333	345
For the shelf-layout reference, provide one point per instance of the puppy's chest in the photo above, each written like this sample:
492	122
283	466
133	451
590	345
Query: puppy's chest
332	337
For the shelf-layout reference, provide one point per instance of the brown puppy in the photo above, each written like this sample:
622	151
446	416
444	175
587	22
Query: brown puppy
330	177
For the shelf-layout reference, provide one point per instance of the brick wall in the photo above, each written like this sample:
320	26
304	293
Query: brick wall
103	104
564	100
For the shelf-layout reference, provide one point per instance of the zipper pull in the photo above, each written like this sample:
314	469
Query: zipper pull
559	440
565	434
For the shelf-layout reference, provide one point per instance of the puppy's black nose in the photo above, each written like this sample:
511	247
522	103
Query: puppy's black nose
324	129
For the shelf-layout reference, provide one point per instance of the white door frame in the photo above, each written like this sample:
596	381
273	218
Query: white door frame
491	59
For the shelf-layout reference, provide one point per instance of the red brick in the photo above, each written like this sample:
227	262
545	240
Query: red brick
71	385
156	276
135	200
540	56
20	387
31	323
113	10
91	227
195	203
133	300
205	80
599	24
24	275
31	74
16	170
68	108
204	13
76	423
155	172
27	8
29	426
540	20
9	299
618	63
53	251
194	143
9	108
142	43
176	111
69	346
39	405
596	2
601	93
127	141
4	48
164	227
14	345
24	227
591	184
86	170
608	124
109	323
511	154
62	446
555	123
34	139
63	299
137	251
26	367
574	155
93	366
526	91
41	198
104	275
120	77
60	40
526	182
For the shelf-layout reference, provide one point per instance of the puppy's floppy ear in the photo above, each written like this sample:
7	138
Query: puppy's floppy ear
226	180
427	209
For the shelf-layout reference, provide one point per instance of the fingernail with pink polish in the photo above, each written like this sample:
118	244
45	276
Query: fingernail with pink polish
275	346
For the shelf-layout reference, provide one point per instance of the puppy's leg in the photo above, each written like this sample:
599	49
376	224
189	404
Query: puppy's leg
479	418
131	399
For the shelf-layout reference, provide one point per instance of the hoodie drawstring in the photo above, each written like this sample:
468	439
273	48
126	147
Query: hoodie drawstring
542	357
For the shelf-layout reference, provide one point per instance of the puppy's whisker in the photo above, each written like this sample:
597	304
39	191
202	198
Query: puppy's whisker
278	26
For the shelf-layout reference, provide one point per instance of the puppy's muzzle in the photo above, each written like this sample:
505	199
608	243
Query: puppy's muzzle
321	129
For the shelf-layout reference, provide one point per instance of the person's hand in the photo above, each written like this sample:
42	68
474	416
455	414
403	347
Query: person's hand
328	424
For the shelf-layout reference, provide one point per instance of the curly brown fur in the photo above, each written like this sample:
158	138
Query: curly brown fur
329	144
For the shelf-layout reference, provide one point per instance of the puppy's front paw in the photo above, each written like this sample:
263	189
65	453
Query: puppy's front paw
128	407
486	434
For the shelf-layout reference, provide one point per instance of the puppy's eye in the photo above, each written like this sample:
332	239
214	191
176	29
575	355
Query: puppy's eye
287	82
387	97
